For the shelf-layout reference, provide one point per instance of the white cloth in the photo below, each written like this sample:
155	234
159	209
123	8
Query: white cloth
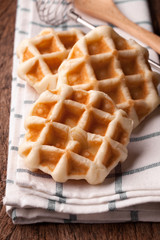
130	193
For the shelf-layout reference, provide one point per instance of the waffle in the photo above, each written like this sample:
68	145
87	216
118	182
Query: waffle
104	61
75	134
41	56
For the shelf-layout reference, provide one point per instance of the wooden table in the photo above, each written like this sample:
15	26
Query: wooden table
8	231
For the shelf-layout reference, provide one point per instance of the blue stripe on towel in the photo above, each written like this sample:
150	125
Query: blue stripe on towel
134	216
136	139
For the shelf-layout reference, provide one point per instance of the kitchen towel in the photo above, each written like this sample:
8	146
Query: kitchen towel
131	192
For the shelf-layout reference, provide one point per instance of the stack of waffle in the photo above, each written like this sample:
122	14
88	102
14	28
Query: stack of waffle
59	144
94	90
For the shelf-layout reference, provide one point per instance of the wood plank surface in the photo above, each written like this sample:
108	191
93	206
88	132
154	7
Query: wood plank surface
8	231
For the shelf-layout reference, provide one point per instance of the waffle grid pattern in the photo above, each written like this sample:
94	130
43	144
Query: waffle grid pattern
104	61
41	56
75	134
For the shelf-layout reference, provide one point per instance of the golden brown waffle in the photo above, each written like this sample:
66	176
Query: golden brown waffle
41	56
102	60
75	134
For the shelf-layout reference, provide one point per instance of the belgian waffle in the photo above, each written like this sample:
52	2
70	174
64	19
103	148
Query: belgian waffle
75	134
102	60
41	56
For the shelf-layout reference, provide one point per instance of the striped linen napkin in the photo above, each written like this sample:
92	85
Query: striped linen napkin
131	192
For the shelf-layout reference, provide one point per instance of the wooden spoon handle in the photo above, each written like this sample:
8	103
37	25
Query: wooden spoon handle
106	10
